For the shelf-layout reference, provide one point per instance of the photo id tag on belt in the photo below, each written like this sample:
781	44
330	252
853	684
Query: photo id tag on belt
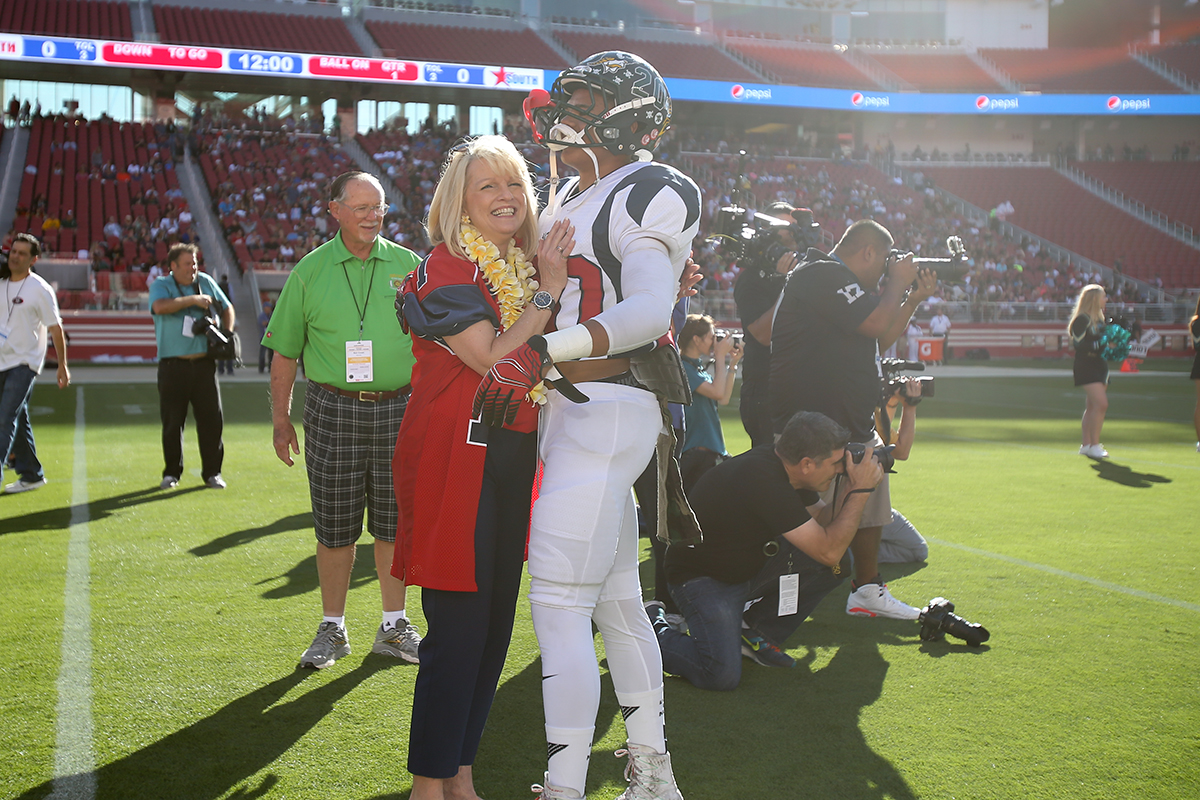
188	322
5	332
789	594
359	367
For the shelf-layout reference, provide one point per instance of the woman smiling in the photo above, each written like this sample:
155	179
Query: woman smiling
464	488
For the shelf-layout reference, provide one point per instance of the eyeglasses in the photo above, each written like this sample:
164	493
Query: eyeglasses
365	211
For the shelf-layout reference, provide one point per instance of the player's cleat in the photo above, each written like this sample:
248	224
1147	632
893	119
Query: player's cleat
24	486
401	641
329	645
649	774
874	600
169	482
215	482
548	792
760	651
1093	451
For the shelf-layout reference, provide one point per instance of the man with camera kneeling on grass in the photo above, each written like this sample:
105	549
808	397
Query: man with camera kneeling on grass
769	540
187	373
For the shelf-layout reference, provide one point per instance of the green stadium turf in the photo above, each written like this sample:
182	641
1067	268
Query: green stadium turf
201	603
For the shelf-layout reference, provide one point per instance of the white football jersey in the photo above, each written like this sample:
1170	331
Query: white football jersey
642	200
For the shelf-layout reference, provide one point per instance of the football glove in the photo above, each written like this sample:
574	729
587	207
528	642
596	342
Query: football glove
506	384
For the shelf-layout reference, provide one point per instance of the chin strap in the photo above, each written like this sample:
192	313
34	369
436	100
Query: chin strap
559	138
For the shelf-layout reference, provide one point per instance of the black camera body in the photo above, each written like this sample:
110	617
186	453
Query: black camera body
757	241
882	454
204	326
893	382
938	619
723	333
755	238
949	270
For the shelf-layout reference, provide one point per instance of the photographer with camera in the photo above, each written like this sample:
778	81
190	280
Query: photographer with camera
900	542
768	540
704	442
763	273
828	328
187	374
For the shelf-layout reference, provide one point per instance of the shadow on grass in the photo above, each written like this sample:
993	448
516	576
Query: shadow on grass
1118	473
295	522
53	519
302	578
210	757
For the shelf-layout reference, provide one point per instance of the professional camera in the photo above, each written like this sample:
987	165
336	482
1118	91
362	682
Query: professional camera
723	333
206	327
893	382
949	269
757	241
755	238
938	619
882	454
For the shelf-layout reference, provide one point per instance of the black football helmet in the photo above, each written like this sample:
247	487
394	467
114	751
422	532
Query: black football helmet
634	109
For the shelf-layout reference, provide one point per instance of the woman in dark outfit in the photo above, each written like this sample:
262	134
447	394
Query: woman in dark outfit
1091	371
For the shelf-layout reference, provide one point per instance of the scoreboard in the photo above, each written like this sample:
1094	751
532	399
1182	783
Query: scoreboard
383	71
191	58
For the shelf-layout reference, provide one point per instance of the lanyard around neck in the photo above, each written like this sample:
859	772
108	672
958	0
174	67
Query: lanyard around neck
9	305
362	312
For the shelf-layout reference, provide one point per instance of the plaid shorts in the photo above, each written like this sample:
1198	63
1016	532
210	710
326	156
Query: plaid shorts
348	448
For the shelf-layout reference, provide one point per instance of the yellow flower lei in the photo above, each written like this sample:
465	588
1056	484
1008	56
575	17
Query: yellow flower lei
510	280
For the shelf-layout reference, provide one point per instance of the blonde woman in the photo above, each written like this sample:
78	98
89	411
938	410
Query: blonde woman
1091	370
464	488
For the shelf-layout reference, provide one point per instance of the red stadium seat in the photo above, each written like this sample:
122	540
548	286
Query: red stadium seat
1052	206
254	29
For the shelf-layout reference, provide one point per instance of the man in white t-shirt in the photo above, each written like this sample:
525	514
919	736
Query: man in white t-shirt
30	311
940	326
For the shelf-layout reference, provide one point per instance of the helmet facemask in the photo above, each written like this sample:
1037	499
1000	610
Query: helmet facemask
634	109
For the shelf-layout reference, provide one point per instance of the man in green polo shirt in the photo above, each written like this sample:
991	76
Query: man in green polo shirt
337	311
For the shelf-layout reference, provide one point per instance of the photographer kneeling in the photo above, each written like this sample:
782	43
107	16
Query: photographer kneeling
767	535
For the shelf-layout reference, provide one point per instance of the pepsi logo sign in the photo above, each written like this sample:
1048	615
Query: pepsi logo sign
860	100
985	103
1118	104
740	92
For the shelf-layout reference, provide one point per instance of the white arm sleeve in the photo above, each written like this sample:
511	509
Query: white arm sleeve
649	284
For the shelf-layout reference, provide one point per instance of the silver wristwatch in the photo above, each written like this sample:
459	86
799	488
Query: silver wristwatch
542	300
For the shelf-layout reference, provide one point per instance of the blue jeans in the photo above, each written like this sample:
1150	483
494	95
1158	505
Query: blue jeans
710	654
16	435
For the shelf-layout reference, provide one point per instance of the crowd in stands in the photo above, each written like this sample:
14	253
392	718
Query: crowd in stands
105	192
1003	270
268	186
267	180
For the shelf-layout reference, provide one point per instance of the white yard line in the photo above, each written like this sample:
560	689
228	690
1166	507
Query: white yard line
1112	587
74	754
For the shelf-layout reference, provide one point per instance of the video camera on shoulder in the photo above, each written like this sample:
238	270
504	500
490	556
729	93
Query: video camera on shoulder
949	270
894	381
755	240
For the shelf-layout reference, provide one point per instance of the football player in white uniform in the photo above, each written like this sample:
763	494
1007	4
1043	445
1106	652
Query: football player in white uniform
635	221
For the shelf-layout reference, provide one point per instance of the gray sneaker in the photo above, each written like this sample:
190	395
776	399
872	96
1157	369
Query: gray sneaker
330	645
401	641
